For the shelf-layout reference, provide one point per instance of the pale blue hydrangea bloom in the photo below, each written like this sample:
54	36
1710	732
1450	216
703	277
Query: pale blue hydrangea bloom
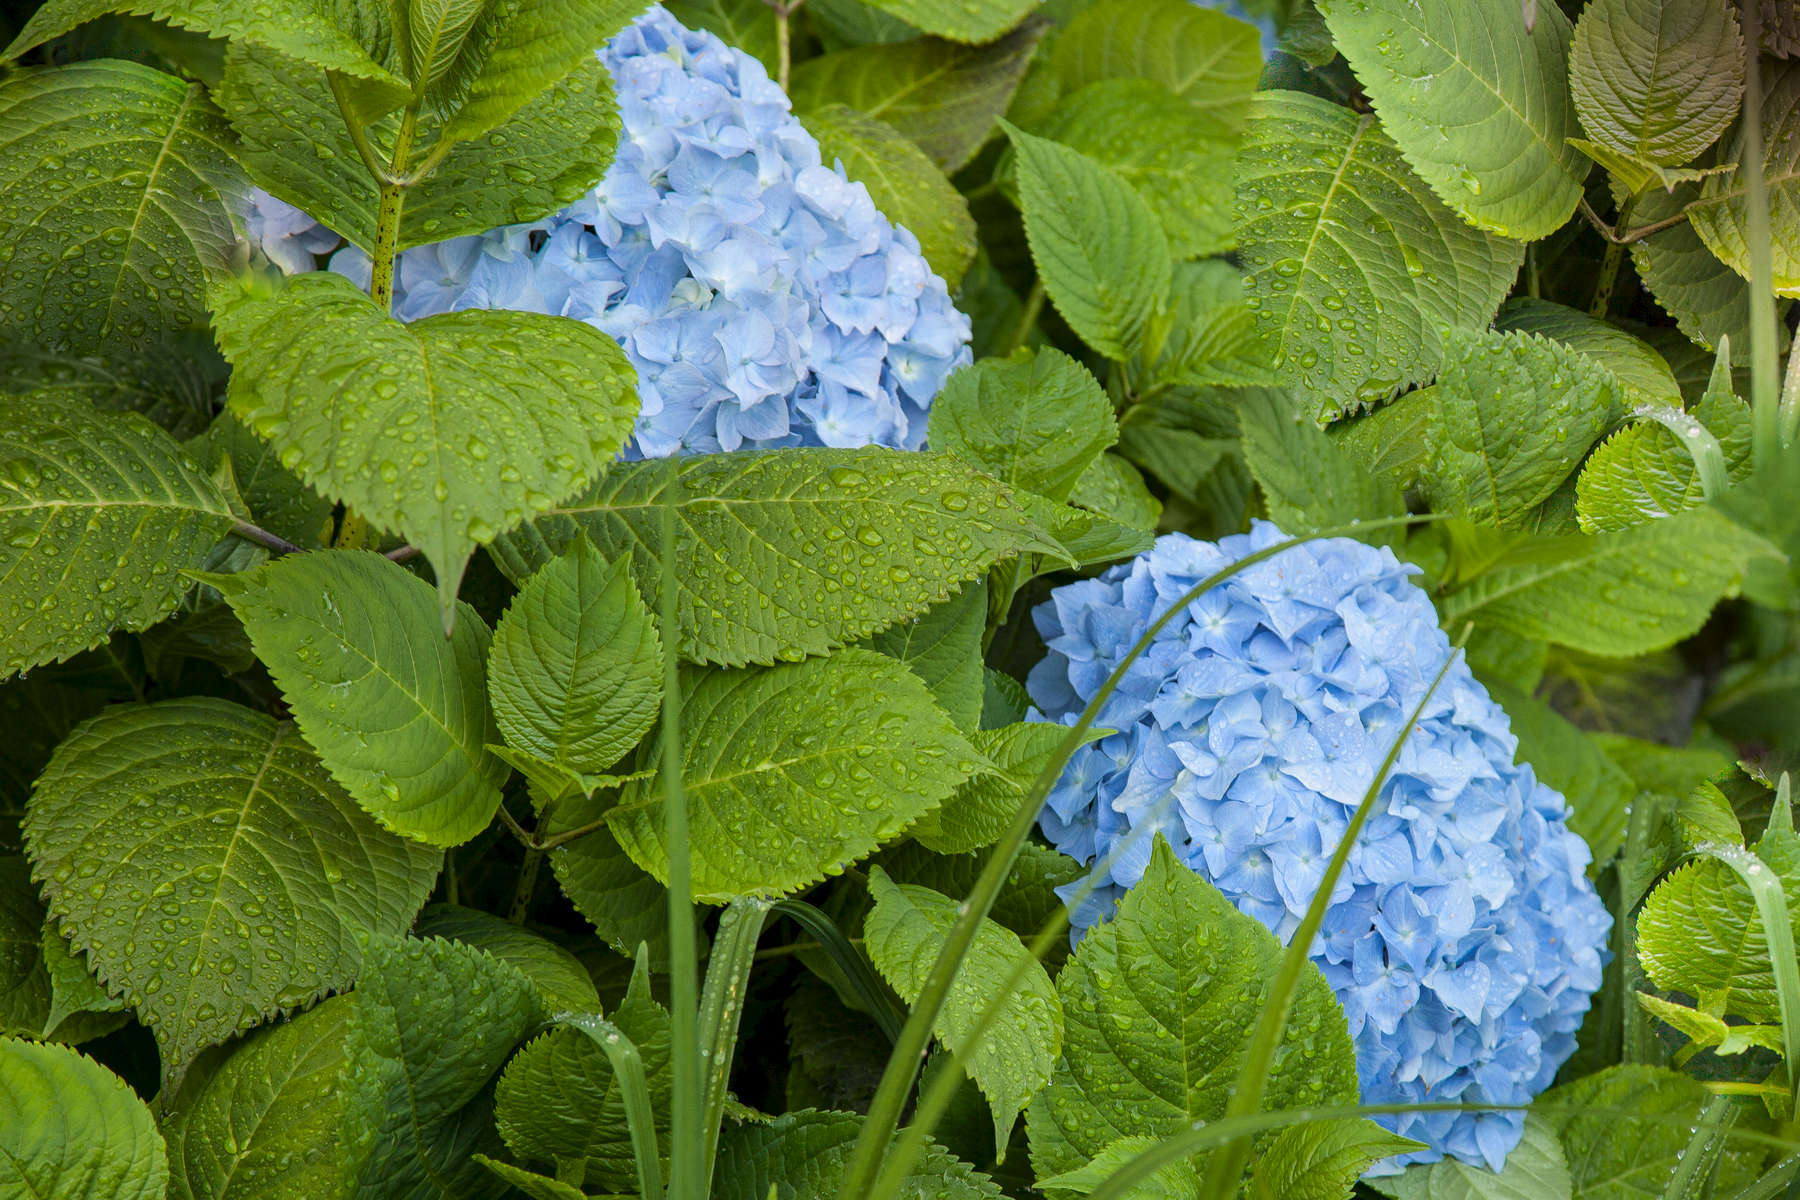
761	296
1463	938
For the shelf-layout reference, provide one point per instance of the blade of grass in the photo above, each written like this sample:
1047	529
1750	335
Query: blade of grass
1764	413
877	1000
1704	1147
903	1064
687	1164
634	1091
722	1007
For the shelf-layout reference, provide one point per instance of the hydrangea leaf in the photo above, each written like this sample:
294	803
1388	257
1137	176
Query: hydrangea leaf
1598	790
1707	1031
842	542
558	975
558	1101
116	260
1322	1160
794	771
1177	156
397	711
1609	593
99	513
1158	1006
1211	335
1084	536
943	648
272	851
983	808
1721	214
1355	266
575	669
434	1023
1644	473
269	1121
972	21
1209	59
908	188
24	983
1026	901
1034	421
1098	247
1708	299
1114	488
1536	1169
1477	102
805	1153
1518	413
942	96
1308	482
516	51
1180	1180
302	29
80	1009
72	1130
903	934
835	1054
626	906
446	431
537	1187
1610	1155
277	500
1644	374
1657	80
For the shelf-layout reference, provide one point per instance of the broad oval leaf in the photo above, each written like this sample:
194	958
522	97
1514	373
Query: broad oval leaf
269	1121
1099	249
795	771
1614	1156
805	1153
1708	299
1158	1008
1721	215
973	21
943	648
1208	58
1657	80
117	187
447	431
983	807
1035	421
782	553
558	975
1355	266
903	934
575	669
1643	472
1322	1160
1477	102
278	868
72	1130
1643	374
626	906
99	514
397	711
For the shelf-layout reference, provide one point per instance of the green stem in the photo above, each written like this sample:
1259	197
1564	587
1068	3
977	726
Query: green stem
359	135
262	537
1028	315
687	1169
722	1007
526	887
903	1064
1704	1146
1609	265
784	47
387	215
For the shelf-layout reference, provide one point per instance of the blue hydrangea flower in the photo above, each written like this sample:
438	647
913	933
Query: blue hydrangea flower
1463	938
761	296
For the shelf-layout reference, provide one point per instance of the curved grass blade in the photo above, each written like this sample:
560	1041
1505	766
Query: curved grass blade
877	1000
634	1090
722	1007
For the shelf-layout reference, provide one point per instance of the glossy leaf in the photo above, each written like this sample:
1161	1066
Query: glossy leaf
1721	214
1035	421
72	1130
1658	80
1209	59
804	1154
943	648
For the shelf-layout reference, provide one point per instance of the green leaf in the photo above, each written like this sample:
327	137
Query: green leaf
99	513
1149	1051
1721	215
1211	335
1098	247
1322	1160
272	852
983	808
1599	792
278	501
1209	59
794	771
558	1101
435	32
1180	1180
1615	1156
80	1008
1635	176
846	542
302	29
1536	1169
172	385
942	96
1034	421
971	21
558	975
1609	593
903	182
1114	488
1397	440
943	648
520	48
1708	299
72	1130
1708	1032
1477	101
118	261
397	711
538	1187
1643	472
1644	374
435	1021
1518	413
446	431
1026	901
1177	156
1699	932
803	1154
575	669
747	24
626	906
1658	80
269	1122
1308	483
1355	267
24	983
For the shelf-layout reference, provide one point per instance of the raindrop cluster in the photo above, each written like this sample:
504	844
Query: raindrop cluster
1463	937
761	296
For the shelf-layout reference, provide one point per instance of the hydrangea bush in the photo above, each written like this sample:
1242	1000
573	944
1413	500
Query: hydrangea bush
1463	938
758	293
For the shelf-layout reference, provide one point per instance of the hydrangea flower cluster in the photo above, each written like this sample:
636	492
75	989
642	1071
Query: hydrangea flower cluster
761	296
1463	939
